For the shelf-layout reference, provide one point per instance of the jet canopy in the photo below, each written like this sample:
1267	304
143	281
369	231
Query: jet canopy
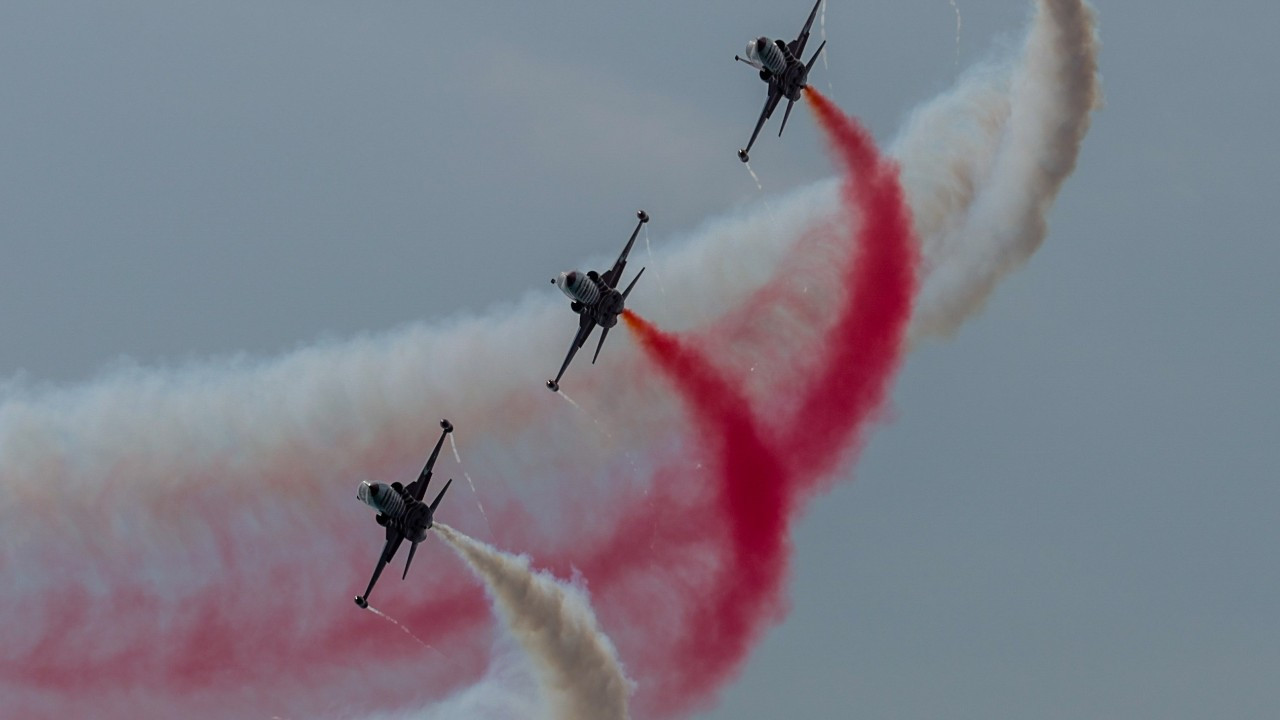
764	53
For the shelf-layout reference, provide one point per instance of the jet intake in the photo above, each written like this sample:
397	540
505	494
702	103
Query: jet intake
382	498
765	52
578	287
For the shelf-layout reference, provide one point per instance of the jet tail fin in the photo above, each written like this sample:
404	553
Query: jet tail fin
436	503
412	549
634	280
814	59
600	346
785	116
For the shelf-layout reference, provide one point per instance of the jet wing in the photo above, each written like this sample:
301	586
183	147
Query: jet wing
394	538
770	103
585	326
418	488
797	47
614	274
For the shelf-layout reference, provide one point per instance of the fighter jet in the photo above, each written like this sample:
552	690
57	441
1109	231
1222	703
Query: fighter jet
780	66
596	300
403	513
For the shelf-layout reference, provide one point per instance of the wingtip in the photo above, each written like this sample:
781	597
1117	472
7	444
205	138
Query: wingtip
553	386
742	155
644	216
448	426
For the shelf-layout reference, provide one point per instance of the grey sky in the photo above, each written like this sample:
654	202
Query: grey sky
1071	515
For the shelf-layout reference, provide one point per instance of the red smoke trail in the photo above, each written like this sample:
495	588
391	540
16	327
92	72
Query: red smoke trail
754	491
867	342
750	495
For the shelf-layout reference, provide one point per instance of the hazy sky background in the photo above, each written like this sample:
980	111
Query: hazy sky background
1074	512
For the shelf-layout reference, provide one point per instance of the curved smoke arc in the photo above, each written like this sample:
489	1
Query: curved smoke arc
148	549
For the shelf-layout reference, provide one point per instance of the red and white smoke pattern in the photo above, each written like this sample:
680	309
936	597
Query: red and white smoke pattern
189	538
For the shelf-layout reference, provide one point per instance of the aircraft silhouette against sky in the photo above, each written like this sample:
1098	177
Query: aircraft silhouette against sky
596	300
780	66
403	513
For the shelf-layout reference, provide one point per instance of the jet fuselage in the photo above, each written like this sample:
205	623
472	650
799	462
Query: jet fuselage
778	66
592	296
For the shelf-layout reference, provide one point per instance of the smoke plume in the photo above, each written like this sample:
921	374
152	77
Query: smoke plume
996	172
554	624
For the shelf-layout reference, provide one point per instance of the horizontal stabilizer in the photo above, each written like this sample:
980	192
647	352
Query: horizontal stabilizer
436	503
814	59
412	549
634	280
600	346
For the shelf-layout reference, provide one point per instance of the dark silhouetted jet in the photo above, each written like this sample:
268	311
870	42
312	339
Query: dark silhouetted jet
780	66
596	300
403	513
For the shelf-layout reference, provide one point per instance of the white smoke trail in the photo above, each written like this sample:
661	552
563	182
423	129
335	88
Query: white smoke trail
453	444
959	24
649	250
822	29
203	481
578	665
595	421
1007	188
754	177
768	207
408	632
